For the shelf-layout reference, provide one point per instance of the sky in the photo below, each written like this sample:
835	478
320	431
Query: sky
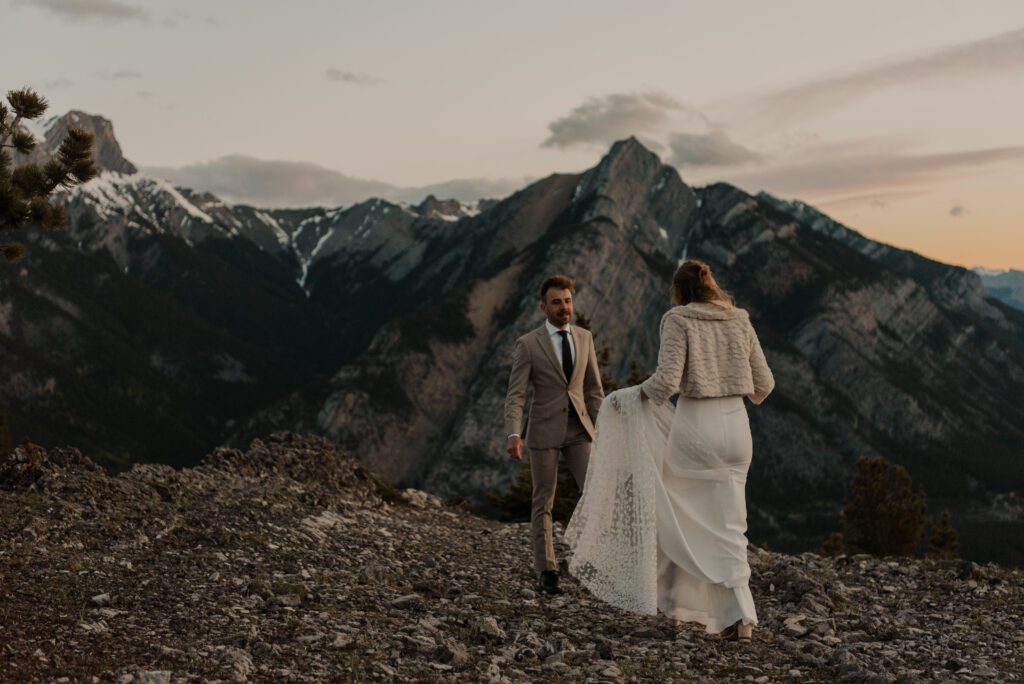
901	119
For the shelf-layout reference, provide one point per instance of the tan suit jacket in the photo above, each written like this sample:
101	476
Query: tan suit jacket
534	362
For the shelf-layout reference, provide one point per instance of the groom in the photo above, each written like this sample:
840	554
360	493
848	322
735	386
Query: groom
558	359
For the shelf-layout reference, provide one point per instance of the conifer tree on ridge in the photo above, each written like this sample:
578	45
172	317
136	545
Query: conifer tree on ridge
24	189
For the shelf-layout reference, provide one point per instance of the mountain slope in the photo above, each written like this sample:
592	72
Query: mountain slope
876	352
163	322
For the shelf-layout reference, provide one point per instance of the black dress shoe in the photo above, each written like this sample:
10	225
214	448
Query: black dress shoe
549	582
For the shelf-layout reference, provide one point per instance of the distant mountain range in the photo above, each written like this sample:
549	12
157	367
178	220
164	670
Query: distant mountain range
1006	286
164	321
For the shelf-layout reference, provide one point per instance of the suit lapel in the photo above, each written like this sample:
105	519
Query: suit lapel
580	353
544	340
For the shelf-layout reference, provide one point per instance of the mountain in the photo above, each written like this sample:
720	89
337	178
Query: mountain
106	150
1006	286
876	351
163	322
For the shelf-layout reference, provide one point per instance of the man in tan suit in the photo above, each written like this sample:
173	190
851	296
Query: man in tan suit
558	359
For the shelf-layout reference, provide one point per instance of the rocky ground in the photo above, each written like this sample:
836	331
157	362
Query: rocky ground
290	562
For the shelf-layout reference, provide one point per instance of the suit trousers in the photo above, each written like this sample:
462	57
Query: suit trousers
544	468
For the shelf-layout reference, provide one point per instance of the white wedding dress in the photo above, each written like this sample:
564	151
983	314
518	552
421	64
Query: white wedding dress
661	524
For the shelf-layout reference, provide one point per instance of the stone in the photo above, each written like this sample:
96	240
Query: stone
152	677
794	626
486	628
453	653
372	573
238	663
407	602
288	600
342	641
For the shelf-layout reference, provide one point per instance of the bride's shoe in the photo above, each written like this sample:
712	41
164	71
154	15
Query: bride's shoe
737	631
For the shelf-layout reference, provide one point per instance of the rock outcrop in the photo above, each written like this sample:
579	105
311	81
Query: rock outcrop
289	561
106	149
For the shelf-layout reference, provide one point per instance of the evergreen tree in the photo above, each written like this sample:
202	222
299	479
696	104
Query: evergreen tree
885	517
833	546
945	541
635	375
24	189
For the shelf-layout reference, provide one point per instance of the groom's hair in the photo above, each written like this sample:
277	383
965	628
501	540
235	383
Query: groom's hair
558	282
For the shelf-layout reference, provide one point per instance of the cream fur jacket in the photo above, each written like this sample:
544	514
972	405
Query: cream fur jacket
709	350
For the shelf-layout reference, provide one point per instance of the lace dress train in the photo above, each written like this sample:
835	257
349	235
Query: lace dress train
662	520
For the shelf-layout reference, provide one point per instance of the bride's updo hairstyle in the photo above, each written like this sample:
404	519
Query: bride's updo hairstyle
693	282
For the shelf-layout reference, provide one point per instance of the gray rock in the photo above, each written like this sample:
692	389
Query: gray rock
152	677
408	602
486	629
794	626
238	663
372	573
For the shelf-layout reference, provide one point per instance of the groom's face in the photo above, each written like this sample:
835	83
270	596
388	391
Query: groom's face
557	306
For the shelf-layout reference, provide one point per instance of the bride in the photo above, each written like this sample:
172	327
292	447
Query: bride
662	520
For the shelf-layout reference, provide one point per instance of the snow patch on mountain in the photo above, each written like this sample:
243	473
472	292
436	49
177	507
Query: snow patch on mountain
282	237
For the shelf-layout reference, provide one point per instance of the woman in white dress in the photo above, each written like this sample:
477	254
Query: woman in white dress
661	524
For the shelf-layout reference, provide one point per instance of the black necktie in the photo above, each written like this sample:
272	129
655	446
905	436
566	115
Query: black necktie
566	354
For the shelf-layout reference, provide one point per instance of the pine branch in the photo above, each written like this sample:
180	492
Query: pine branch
22	141
27	103
75	154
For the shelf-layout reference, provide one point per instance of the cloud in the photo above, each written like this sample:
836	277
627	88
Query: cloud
824	176
999	54
58	83
339	76
602	121
707	149
464	189
103	10
124	73
245	180
957	211
661	123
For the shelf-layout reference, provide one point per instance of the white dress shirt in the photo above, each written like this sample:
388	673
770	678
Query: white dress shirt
556	341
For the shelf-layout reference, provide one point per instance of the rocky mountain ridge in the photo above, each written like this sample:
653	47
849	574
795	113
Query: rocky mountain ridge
289	561
49	134
163	322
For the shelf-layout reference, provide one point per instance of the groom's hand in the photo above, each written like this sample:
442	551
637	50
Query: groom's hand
515	447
